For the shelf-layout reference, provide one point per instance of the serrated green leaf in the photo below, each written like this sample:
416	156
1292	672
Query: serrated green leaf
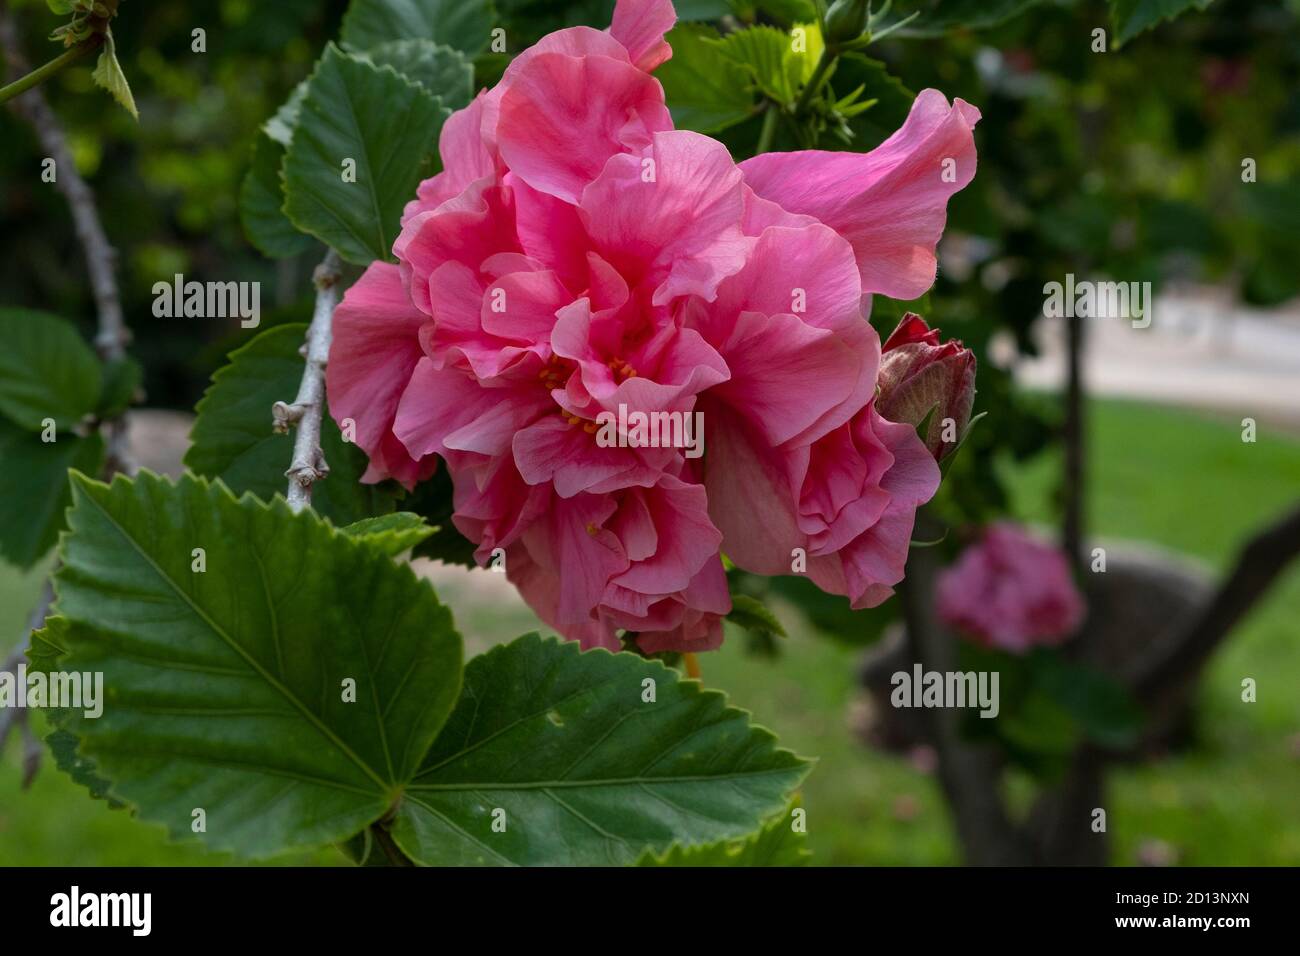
751	614
281	125
776	844
586	772
391	533
63	747
768	55
46	371
381	122
465	25
705	91
232	437
446	73
48	644
261	196
1131	17
226	688
108	74
34	488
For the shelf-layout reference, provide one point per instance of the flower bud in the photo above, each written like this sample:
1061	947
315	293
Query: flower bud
920	376
846	20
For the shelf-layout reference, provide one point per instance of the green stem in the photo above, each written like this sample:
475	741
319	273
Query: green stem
814	84
768	131
42	73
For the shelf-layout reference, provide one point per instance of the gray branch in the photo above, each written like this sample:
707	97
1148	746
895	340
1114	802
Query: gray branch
308	409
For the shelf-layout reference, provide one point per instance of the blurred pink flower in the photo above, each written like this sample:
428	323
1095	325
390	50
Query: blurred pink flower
1010	591
577	256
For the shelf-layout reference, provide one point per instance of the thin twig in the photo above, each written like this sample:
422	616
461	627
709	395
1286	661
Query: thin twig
113	335
110	340
308	408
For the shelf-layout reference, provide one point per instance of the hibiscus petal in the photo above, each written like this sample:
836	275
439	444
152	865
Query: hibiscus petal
375	349
640	26
562	117
673	215
890	203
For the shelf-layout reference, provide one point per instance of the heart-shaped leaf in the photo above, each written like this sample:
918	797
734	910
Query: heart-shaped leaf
557	756
259	666
365	136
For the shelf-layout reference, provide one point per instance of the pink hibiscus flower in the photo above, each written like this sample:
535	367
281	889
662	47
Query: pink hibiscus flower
578	262
1010	591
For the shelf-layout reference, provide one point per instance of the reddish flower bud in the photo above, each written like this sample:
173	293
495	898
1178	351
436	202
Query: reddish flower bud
920	376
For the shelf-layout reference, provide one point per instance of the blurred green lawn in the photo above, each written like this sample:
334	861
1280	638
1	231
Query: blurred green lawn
1175	478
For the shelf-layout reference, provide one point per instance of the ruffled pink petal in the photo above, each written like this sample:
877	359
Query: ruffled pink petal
744	481
786	376
375	349
470	229
673	215
807	271
890	203
685	538
640	26
444	411
553	450
562	117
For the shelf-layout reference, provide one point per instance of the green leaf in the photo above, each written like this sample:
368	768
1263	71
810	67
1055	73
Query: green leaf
48	644
892	100
391	533
261	197
355	112
776	844
465	25
767	54
46	371
938	17
34	489
700	10
227	687
282	123
63	747
751	614
59	6
232	437
586	772
705	90
1131	17
121	384
108	74
442	71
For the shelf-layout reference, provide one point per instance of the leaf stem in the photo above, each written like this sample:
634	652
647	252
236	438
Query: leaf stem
829	53
768	131
43	73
